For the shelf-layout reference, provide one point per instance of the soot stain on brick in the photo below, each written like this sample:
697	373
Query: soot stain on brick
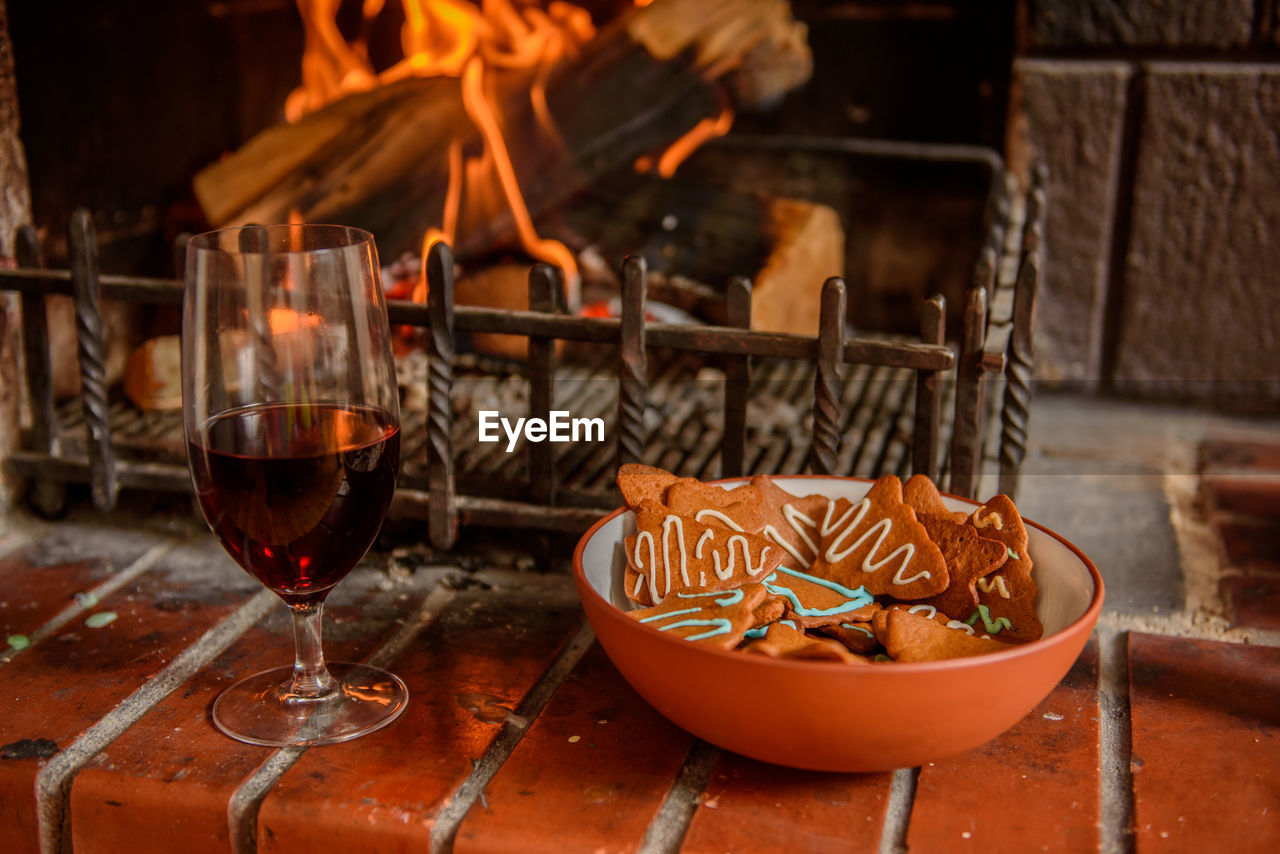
29	748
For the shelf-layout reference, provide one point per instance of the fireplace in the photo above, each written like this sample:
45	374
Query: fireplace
887	377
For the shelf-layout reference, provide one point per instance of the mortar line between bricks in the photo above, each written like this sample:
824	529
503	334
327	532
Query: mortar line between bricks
141	564
1121	225
897	813
246	801
1115	745
446	824
1182	626
53	783
666	832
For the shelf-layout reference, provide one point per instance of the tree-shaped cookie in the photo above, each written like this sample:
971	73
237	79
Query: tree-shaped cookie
739	509
969	557
715	617
1010	591
791	521
671	553
877	543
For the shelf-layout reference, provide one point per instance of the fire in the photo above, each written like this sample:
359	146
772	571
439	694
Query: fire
284	321
474	44
451	38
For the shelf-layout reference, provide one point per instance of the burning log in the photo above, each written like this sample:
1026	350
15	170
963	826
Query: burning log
703	233
388	159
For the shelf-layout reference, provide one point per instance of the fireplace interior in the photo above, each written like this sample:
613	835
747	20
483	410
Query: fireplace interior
885	166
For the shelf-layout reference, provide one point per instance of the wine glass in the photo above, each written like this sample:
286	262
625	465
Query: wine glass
293	440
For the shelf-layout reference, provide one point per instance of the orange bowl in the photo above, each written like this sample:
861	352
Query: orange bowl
829	716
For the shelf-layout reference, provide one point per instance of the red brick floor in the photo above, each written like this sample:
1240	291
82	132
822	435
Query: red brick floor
1240	484
1206	745
521	736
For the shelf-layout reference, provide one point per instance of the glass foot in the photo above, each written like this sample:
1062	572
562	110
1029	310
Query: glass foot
260	710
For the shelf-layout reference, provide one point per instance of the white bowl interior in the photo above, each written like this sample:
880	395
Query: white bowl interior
1066	587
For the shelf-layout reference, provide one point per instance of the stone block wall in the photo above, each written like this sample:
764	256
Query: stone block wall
1160	123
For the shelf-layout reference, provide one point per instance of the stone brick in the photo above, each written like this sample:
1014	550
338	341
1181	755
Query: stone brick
592	771
1074	114
1252	545
165	784
33	595
59	688
1253	602
1255	495
751	806
1206	745
1227	454
1034	788
1201	318
384	791
1139	23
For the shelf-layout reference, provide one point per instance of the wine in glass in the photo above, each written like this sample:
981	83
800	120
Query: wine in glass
293	440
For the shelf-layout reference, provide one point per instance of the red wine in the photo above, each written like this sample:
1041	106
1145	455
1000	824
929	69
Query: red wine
296	492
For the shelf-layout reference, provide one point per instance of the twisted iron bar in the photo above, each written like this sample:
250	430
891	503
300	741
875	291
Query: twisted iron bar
737	383
829	382
83	248
633	388
1016	411
442	521
966	437
255	248
544	283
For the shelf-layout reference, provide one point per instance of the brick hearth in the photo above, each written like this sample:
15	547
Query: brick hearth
521	735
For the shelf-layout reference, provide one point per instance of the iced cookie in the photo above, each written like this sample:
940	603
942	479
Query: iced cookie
717	618
672	553
1009	591
877	543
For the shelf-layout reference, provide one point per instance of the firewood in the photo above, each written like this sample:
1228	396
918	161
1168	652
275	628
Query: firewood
379	160
706	233
808	248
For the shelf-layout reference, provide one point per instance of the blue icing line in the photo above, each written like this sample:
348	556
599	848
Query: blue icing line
827	583
732	598
653	617
761	631
857	598
721	627
866	631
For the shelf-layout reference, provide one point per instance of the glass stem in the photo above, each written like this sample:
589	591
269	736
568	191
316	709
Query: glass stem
311	679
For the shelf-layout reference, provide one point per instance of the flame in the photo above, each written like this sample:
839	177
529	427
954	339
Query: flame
452	38
474	44
705	130
284	320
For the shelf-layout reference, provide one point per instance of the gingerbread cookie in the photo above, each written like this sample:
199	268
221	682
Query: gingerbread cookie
717	618
878	544
1009	591
640	483
969	557
782	640
922	496
672	553
790	521
857	637
737	509
932	613
813	601
911	637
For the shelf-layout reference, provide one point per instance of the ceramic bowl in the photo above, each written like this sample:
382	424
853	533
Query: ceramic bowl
830	716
